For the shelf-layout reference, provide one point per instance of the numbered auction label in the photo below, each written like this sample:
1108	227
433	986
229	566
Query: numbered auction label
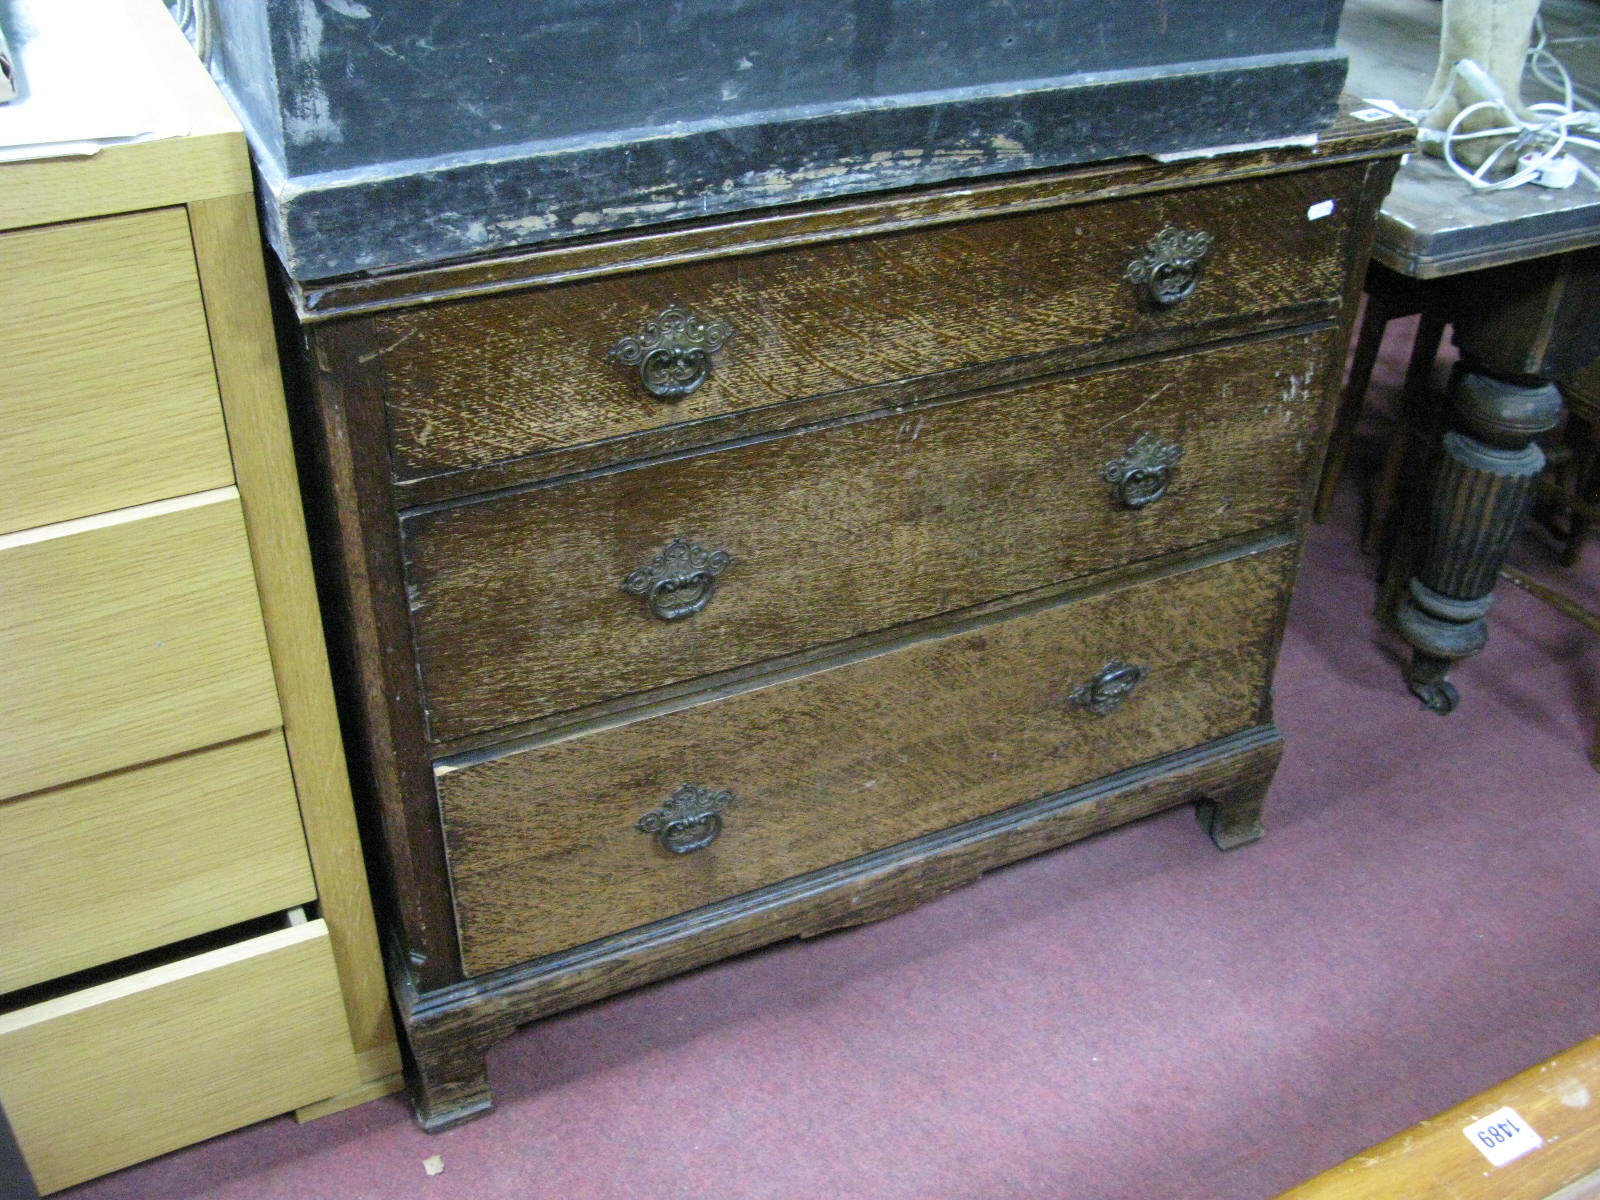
1502	1136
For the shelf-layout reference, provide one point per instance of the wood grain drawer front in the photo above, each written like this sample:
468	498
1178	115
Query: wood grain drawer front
543	846
134	1068
519	605
110	396
129	639
474	382
96	871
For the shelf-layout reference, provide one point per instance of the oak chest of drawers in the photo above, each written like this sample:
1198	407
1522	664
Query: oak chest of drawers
744	579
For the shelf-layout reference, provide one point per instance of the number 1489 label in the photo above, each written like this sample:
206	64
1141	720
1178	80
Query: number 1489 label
1502	1136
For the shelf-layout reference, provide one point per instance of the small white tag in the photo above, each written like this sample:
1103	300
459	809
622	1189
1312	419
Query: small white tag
1317	211
1378	109
434	1165
1502	1136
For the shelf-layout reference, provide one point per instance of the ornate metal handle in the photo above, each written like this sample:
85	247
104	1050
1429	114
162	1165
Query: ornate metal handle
690	820
1105	693
679	581
673	352
1141	476
1168	269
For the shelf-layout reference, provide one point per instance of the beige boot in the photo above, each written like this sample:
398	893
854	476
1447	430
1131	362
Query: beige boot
1493	34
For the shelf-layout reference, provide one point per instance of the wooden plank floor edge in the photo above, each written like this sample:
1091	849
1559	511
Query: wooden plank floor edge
1435	1160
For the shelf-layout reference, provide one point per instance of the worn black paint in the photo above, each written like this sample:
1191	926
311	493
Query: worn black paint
408	131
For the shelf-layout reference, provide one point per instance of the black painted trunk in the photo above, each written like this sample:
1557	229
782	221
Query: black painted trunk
396	132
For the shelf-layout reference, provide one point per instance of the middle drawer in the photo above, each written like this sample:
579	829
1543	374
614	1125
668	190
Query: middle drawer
539	601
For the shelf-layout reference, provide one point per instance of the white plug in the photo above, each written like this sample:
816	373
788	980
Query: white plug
1558	172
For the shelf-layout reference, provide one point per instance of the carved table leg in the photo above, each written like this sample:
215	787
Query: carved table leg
1480	496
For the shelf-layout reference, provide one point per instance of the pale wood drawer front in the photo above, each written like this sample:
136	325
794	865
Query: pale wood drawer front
519	602
543	845
127	639
474	382
110	396
95	871
134	1068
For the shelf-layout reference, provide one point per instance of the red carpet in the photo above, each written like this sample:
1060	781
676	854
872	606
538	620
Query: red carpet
1135	1016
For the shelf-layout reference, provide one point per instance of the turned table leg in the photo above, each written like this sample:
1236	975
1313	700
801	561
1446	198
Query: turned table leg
1480	496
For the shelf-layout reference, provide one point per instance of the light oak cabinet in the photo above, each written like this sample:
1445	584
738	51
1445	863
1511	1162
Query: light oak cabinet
189	942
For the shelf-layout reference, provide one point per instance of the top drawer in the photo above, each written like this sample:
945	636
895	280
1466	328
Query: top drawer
475	382
110	398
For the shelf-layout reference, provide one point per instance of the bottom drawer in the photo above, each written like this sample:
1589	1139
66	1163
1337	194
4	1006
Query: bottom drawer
126	1070
544	846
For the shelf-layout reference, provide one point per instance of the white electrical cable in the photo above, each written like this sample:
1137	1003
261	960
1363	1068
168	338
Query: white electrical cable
1542	58
194	17
1541	147
1533	145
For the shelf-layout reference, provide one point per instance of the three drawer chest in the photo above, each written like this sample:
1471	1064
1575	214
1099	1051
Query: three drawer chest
726	581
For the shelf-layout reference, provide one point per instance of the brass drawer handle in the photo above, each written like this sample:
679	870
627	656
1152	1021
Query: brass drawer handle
1168	269
1105	693
673	352
690	820
679	581
1143	473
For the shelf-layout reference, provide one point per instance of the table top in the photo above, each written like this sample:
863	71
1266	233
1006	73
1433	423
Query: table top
1432	224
